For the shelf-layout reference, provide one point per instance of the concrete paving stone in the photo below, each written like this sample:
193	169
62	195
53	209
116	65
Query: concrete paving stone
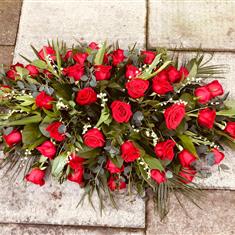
9	18
192	23
23	229
92	20
6	55
216	216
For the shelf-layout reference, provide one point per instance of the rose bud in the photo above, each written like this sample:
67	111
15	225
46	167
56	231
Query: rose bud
203	94
77	175
206	118
218	156
54	131
75	161
183	73
118	56
174	115
48	51
80	58
230	129
86	96
137	87
68	55
186	158
215	88
13	138
36	176
149	56
131	71
12	72
187	175
165	150
158	176
47	74
94	138
33	70
47	149
173	74
161	85
121	111
112	168
129	152
93	46
44	101
116	184
102	72
75	71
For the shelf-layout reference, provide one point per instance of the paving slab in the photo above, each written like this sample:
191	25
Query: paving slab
6	55
92	20
191	24
216	216
9	18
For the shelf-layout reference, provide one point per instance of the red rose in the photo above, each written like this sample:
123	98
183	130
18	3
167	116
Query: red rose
206	118
80	58
75	71
36	176
54	131
158	176
187	175
118	56
218	156
149	56
93	46
102	72
116	184
230	129
131	71
183	72
174	115
86	96
44	101
137	87
94	138
129	152
13	138
47	74
75	161
33	70
165	150
173	74
12	72
203	94
47	149
77	175
186	158
121	111
112	168
68	55
215	88
49	51
161	85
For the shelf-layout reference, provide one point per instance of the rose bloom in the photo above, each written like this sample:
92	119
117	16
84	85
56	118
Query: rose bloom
131	71
203	94
75	161
215	88
121	111
165	150
116	184
11	73
218	156
112	168
187	174
129	152
102	72
230	129
183	72
206	118
77	175
75	71
158	176
86	96
13	138
47	149
49	51
137	87
94	138
93	46
68	55
149	56
174	115
173	74
118	56
53	130
161	85
80	58
44	101
36	176
33	70
186	158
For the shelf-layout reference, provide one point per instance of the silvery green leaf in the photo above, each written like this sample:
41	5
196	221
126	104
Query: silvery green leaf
93	83
20	85
8	130
169	175
210	158
33	87
72	81
90	58
34	94
127	169
84	78
224	167
62	129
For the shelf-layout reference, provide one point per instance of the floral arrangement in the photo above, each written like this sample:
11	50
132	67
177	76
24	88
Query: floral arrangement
109	119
